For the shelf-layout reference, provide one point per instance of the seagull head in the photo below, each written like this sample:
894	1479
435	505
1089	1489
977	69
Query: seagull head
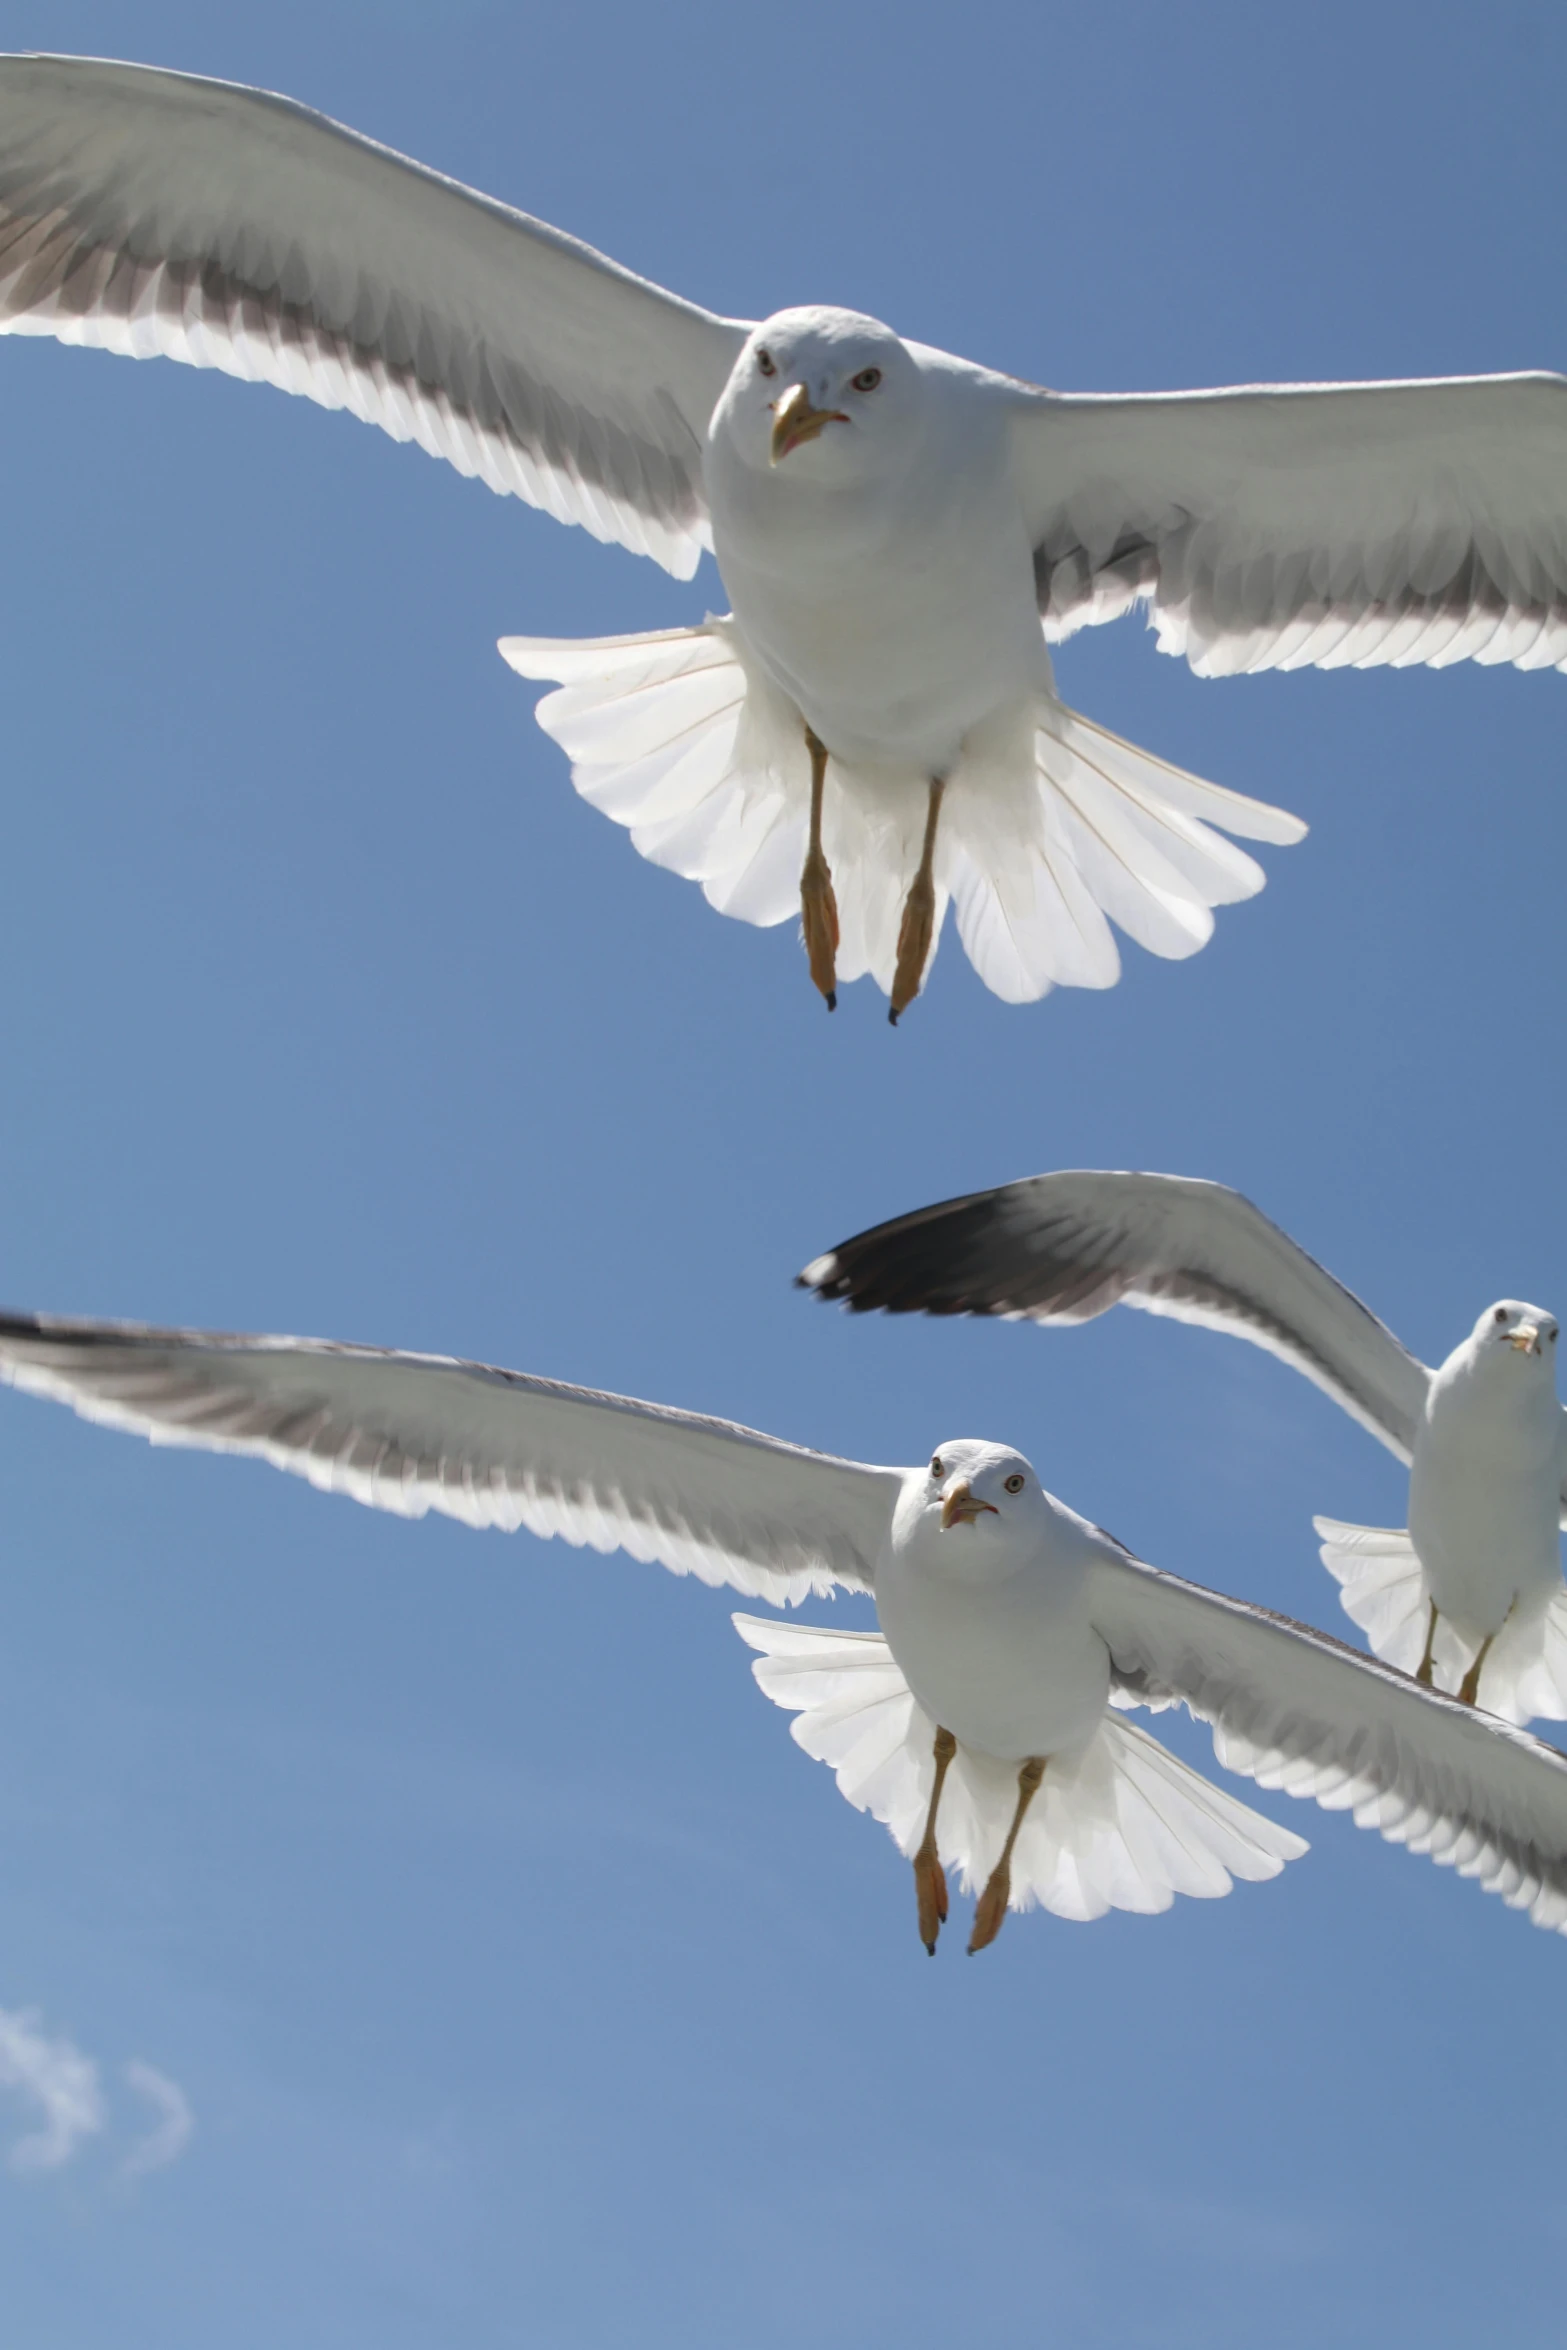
978	1491
827	394
1512	1327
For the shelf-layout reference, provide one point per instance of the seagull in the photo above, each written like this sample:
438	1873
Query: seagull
983	1722
1471	1592
872	733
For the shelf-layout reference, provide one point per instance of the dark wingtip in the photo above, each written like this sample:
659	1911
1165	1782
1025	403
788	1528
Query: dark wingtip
819	1274
856	1290
826	1278
832	999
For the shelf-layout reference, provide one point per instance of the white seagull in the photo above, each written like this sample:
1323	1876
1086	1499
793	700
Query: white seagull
1470	1595
874	731
983	1723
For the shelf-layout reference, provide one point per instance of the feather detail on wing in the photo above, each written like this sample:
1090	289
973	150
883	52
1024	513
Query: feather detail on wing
412	1433
154	214
1287	526
1293	1709
1064	1247
1121	1825
1051	827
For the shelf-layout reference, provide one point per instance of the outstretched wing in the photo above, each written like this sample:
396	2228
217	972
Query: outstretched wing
1312	525
153	213
1294	1709
1065	1247
412	1433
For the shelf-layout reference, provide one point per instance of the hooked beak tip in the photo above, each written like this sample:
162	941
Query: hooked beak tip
796	421
959	1508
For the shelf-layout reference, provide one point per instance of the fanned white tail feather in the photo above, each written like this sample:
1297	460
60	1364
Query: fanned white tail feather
1049	824
1524	1677
1383	1590
1121	1825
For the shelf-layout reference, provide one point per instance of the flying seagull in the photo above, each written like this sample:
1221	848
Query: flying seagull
1470	1595
873	732
983	1722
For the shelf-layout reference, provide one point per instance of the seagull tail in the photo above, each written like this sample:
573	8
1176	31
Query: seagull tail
1046	851
1121	1825
1524	1678
682	737
1384	1592
677	736
1051	828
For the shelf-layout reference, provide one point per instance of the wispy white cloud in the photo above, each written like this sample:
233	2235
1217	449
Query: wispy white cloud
169	2136
63	2089
58	2080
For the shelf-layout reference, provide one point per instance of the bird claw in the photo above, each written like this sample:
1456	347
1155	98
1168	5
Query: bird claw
990	1911
914	937
930	1890
819	921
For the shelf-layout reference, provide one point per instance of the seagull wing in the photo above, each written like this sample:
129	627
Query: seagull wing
412	1433
152	213
1065	1247
1294	1709
1292	526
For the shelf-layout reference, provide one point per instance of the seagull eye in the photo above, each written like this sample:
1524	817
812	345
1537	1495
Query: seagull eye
1551	1335
1500	1315
764	361
867	379
938	1467
1014	1485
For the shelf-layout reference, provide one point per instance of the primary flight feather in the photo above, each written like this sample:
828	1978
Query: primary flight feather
873	733
984	1721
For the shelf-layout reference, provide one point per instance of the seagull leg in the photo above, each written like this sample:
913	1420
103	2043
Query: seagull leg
991	1909
930	1878
1469	1687
1426	1666
818	906
919	916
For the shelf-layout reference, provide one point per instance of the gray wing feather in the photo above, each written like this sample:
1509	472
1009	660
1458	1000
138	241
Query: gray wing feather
1322	525
1293	1709
1065	1247
413	1433
155	214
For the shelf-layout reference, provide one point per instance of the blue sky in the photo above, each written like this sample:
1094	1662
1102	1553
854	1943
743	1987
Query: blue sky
524	1982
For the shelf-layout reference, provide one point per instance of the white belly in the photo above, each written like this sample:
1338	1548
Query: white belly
894	627
1484	1505
1011	1666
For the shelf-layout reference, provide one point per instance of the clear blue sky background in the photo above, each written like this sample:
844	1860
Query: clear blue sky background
527	1984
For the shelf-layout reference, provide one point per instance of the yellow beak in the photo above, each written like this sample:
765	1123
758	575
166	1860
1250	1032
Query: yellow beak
795	420
1526	1338
959	1508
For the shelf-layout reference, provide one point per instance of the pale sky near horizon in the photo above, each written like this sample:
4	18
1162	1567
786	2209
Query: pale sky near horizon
509	1976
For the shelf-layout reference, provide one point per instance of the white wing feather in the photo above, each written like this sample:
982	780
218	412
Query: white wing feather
412	1433
1287	526
1296	1710
1067	1246
155	214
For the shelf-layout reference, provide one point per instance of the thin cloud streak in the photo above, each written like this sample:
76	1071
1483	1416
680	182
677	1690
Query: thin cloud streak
171	2134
